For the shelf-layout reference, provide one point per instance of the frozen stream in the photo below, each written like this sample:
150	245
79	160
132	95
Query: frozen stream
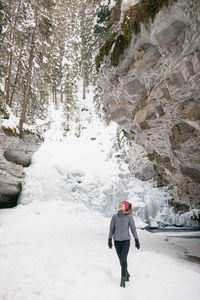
54	243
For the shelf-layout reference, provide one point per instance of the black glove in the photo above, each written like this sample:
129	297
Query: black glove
110	243
137	244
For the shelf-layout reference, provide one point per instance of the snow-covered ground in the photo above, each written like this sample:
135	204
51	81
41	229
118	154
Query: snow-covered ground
54	243
59	251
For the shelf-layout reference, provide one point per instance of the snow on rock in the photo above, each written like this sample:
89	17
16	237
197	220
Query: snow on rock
11	123
126	4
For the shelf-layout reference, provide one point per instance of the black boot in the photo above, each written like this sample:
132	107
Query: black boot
127	276
123	279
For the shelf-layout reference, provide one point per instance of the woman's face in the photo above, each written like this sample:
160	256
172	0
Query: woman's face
122	206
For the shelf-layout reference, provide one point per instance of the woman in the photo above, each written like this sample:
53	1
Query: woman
119	227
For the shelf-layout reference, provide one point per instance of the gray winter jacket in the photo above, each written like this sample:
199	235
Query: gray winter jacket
119	226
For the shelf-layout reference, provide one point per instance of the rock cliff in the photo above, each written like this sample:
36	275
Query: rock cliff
153	93
14	155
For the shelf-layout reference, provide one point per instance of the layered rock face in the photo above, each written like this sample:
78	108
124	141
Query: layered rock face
14	155
154	95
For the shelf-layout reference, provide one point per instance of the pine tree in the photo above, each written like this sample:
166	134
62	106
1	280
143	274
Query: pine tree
46	47
39	28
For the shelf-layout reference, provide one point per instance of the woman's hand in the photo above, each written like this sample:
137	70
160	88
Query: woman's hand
137	244
110	243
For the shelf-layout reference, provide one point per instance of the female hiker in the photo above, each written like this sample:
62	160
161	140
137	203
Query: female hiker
119	227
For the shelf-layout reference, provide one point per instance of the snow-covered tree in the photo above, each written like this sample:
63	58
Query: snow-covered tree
46	47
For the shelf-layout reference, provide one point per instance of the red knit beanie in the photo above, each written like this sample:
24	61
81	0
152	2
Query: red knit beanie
126	204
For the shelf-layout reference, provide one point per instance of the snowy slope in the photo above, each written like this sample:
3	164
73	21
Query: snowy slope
54	243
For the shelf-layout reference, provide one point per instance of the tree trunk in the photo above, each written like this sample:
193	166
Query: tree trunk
84	81
67	112
56	96
26	92
61	97
11	55
9	77
53	96
16	77
83	46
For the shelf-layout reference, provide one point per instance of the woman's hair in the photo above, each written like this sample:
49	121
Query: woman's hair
130	208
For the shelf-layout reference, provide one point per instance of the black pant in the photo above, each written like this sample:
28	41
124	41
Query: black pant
122	248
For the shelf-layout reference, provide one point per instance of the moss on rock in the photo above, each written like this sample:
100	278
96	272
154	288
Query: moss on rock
143	12
104	50
120	45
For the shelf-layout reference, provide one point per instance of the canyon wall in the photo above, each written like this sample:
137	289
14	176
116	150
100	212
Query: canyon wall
154	95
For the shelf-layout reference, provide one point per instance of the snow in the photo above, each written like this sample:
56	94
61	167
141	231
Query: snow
56	251
54	243
112	4
2	86
126	4
12	122
4	29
